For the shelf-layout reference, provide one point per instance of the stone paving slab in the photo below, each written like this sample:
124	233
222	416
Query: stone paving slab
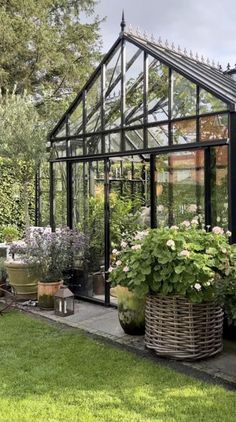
103	322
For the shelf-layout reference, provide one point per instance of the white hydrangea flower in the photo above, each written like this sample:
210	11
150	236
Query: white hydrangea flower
126	269
110	269
136	247
197	286
186	223
124	244
118	263
194	222
192	208
184	252
115	251
174	228
217	230
223	250
171	244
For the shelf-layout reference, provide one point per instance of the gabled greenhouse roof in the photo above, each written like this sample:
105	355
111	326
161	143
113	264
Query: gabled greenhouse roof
208	76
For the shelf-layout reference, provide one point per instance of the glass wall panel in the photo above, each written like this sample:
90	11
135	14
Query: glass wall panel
129	197
88	216
59	149
184	131
93	145
214	127
210	104
134	86
113	142
157	98
134	139
180	187
219	186
76	120
158	136
60	197
76	147
93	107
113	91
184	96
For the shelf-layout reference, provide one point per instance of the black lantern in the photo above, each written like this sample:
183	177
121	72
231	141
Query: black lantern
64	302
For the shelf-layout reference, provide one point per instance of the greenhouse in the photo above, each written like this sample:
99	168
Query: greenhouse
149	141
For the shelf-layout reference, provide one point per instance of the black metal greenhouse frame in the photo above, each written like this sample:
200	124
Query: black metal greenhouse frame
205	77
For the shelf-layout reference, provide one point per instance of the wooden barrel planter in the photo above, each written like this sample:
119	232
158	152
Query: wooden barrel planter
179	329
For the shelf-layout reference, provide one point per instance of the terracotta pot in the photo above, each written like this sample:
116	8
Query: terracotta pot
46	292
23	278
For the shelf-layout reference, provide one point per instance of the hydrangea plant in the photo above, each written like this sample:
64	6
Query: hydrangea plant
181	260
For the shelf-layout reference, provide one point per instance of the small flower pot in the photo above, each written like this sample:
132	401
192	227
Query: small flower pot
46	292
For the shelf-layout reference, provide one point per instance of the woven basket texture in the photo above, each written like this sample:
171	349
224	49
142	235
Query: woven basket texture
179	329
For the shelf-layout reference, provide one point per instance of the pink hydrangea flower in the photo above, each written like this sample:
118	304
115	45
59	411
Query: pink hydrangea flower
171	244
217	230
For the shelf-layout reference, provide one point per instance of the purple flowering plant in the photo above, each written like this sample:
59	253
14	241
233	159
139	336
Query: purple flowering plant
52	253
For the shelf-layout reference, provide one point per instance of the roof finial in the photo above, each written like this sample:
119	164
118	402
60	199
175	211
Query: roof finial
123	23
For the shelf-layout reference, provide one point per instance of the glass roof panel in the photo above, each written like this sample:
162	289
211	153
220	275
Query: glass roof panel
157	91
184	96
134	86
208	103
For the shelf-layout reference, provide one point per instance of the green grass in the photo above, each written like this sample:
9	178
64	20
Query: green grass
52	374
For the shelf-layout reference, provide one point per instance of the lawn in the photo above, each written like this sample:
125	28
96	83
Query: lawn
52	374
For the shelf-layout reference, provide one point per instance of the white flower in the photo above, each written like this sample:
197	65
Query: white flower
184	252
228	233
110	269
126	269
208	283
197	286
160	208
136	247
141	235
174	228
115	251
186	223
217	230
192	208
171	244
194	222
223	250
124	244
118	263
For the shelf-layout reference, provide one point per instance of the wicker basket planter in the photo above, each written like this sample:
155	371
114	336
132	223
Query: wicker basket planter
180	329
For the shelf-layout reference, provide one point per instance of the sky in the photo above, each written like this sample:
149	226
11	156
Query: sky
204	26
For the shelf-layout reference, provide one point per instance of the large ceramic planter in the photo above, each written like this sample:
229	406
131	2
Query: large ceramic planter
46	292
177	328
23	279
131	311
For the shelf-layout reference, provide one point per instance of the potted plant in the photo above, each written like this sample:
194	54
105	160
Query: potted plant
131	304
52	255
180	269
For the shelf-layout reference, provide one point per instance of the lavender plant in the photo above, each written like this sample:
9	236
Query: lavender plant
52	253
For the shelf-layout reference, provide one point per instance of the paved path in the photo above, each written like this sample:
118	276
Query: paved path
103	322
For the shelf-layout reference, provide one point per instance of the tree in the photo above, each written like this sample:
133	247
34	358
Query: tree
46	49
22	140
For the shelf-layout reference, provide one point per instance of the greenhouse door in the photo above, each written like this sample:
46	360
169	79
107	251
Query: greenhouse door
88	215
